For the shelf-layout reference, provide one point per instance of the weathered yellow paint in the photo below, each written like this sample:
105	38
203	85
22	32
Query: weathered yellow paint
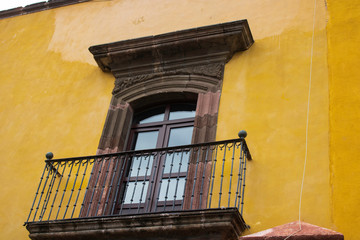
55	98
344	62
120	20
47	104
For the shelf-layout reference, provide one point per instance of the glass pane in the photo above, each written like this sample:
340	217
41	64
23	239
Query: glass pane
179	111
152	115
155	118
176	162
135	192
180	136
172	189
142	165
146	140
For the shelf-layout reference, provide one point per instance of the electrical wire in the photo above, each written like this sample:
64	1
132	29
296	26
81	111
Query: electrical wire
307	121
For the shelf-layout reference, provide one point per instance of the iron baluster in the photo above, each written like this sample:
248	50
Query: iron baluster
177	179
127	185
195	177
87	187
103	186
210	174
57	189
64	191
79	190
243	189
36	193
222	174
160	182
111	184
72	189
169	179
203	176
95	184
186	179
42	191
144	183
124	163
47	197
213	175
239	180
136	180
231	172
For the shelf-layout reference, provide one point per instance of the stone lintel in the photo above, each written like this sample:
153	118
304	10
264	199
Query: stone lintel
219	224
174	50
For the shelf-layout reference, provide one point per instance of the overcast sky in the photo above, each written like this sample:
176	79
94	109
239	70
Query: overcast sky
7	4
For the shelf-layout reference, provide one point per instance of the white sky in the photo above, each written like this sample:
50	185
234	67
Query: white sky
7	4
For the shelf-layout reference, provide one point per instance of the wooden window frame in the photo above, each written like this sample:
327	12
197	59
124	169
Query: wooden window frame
164	128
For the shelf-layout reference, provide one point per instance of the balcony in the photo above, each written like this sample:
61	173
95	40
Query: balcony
195	190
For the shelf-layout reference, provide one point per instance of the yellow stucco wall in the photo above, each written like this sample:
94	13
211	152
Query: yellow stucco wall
344	74
55	98
265	91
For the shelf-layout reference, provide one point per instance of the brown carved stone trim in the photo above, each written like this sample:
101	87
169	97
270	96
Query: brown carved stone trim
113	139
168	84
206	117
115	132
211	71
37	7
211	224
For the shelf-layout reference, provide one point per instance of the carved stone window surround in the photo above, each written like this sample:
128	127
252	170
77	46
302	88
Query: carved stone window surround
177	64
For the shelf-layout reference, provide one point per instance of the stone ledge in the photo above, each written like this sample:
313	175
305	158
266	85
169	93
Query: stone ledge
219	224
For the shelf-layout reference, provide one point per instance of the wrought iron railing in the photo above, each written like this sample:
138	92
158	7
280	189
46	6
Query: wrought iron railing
197	176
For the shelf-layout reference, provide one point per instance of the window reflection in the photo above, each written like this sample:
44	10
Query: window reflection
146	140
180	136
153	115
179	111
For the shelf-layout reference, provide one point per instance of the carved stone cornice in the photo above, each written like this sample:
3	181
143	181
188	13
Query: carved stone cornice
201	51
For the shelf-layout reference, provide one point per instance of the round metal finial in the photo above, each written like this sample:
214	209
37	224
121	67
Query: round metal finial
242	134
49	155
